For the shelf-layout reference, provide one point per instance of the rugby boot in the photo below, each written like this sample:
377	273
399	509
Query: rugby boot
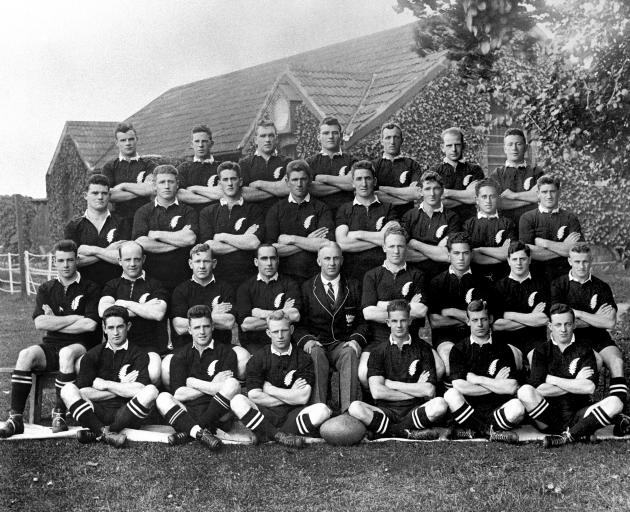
289	440
58	421
178	438
205	437
115	439
86	436
14	425
503	436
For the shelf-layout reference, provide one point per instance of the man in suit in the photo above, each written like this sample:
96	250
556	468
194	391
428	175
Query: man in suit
332	329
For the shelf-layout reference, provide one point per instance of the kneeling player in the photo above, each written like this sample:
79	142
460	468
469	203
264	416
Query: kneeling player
279	382
482	370
563	377
402	380
113	389
203	383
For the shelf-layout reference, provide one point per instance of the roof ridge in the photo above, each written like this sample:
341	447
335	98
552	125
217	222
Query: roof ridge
362	101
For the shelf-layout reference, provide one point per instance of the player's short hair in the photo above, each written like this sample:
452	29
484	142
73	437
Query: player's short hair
328	245
65	246
97	179
431	176
230	166
487	182
331	121
128	242
453	130
199	311
200	248
363	164
117	311
581	248
547	179
266	123
202	128
395	230
391	126
514	131
299	166
398	305
166	169
474	306
516	246
459	237
124	128
266	246
560	309
277	315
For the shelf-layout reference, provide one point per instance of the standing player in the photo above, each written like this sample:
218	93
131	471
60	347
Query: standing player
396	173
332	329
279	384
331	166
197	178
203	383
482	399
300	225
595	312
166	230
563	378
113	390
362	222
146	301
458	176
96	234
516	179
525	303
233	228
429	227
489	232
66	308
549	230
129	177
402	381
260	296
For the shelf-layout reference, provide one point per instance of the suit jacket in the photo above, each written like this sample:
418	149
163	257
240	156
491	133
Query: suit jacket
320	322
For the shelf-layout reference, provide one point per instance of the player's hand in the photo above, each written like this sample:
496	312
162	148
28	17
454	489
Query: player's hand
130	377
585	373
355	346
508	194
319	233
605	309
299	384
99	384
416	298
222	307
471	378
289	303
153	234
424	376
223	376
503	373
47	310
506	245
308	346
573	237
251	230
539	308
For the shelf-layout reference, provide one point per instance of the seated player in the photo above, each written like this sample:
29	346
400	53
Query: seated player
390	281
429	227
458	176
549	230
113	390
516	179
166	230
450	293
263	294
362	222
490	233
66	308
595	312
525	303
331	166
299	225
130	178
233	228
203	381
96	234
482	399
563	378
279	383
331	328
402	381
197	178
146	301
396	173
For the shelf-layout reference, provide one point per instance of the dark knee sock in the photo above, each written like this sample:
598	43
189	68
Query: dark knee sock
467	417
84	414
179	419
380	423
21	382
256	421
417	418
132	415
217	407
619	388
593	421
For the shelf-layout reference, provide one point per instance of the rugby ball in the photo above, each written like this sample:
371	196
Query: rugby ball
343	430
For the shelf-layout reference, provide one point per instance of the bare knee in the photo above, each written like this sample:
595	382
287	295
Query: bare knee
148	394
454	399
318	413
527	394
164	402
230	388
29	357
436	408
70	393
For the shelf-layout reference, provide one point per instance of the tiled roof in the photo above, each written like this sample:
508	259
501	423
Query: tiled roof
354	80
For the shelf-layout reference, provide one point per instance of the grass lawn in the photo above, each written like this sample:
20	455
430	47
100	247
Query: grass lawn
62	475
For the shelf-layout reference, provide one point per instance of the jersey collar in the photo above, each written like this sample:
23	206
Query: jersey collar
122	158
156	204
406	342
331	155
571	278
307	199
124	346
452	272
543	210
399	156
393	270
142	276
447	161
272	278
435	210
514	278
223	201
481	215
281	354
481	343
205	160
202	350
554	342
213	280
266	157
77	279
520	165
356	202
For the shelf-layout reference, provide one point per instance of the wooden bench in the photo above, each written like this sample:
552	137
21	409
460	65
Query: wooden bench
40	381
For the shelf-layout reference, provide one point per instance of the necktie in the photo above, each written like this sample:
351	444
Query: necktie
330	293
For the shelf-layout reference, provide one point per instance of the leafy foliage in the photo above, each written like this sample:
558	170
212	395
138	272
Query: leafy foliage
8	228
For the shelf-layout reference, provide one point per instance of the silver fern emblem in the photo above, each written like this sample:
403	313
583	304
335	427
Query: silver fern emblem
573	366
593	302
467	179
405	289
212	367
413	367
277	172
122	373
110	235
239	224
439	232
379	223
215	301
143	298
213	180
527	184
174	221
288	378
531	299
308	221
498	238
277	302
561	231
140	177
468	298
403	177
492	369
75	302
343	170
